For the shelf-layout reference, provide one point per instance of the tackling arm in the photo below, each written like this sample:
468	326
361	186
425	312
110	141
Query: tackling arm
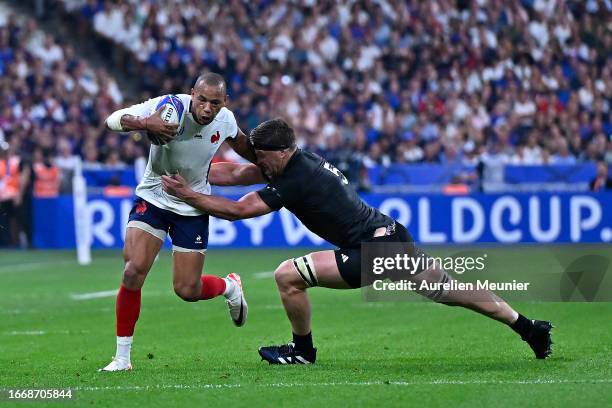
249	206
233	174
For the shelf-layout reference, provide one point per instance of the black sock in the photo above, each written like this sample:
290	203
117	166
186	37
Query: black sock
303	342
522	326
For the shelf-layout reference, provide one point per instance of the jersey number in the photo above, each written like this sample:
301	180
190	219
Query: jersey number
336	172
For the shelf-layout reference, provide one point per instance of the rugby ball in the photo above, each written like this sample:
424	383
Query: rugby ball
173	111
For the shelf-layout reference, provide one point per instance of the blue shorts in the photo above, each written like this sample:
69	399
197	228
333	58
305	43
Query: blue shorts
188	233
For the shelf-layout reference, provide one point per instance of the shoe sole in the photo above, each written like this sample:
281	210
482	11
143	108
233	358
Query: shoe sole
243	313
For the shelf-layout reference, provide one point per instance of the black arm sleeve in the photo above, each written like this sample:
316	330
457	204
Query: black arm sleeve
281	192
271	197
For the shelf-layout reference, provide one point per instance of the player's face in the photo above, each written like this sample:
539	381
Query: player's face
206	102
271	162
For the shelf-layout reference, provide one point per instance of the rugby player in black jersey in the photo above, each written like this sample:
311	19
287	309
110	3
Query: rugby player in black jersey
320	197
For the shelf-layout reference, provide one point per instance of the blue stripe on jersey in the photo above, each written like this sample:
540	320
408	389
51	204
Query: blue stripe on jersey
175	101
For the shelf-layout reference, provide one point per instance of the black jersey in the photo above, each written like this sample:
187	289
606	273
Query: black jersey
320	197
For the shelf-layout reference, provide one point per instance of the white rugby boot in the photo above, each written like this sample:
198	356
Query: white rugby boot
118	364
236	301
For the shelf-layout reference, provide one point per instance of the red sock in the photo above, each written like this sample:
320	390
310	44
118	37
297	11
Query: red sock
212	286
128	309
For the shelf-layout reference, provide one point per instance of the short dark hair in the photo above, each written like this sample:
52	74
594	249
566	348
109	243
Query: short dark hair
211	78
274	134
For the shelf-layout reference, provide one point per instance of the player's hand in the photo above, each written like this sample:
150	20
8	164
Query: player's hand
155	125
176	185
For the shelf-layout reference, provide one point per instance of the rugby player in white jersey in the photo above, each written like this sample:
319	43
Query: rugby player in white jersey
188	149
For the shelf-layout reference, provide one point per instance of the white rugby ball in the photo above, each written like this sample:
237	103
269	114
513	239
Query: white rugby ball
173	111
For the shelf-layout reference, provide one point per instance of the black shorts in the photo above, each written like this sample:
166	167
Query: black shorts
188	233
348	260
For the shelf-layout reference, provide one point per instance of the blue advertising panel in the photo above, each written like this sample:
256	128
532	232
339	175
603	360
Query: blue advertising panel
500	218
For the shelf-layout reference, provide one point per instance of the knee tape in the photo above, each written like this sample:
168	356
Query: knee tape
306	269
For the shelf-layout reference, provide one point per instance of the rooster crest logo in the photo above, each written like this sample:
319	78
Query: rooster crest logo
215	138
141	208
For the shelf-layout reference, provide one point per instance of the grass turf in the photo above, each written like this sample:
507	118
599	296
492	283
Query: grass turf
397	354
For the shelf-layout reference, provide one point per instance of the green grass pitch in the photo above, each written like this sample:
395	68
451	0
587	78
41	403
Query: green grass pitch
397	354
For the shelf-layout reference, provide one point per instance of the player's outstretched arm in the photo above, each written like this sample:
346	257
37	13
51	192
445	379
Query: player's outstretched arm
132	118
241	145
234	174
250	205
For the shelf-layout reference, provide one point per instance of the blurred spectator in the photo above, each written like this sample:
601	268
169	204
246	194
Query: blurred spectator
456	187
113	161
601	182
563	156
46	175
67	162
15	176
532	152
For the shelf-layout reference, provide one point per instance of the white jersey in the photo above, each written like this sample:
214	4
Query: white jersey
190	154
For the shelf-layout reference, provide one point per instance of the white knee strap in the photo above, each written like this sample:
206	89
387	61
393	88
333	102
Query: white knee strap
306	269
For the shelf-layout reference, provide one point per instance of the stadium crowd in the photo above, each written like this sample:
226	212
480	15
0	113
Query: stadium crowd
53	103
525	82
364	83
52	107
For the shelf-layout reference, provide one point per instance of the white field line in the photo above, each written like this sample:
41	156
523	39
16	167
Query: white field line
94	295
42	332
29	266
274	307
26	333
341	384
109	293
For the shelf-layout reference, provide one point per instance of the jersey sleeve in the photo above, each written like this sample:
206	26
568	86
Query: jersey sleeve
143	109
270	195
232	125
282	192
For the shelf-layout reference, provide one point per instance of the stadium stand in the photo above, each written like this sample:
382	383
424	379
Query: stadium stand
399	82
401	96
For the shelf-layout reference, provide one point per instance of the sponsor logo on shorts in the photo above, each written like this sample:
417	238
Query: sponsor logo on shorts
198	239
344	258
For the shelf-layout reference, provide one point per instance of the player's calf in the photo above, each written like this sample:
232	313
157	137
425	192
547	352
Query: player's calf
535	332
189	292
210	286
